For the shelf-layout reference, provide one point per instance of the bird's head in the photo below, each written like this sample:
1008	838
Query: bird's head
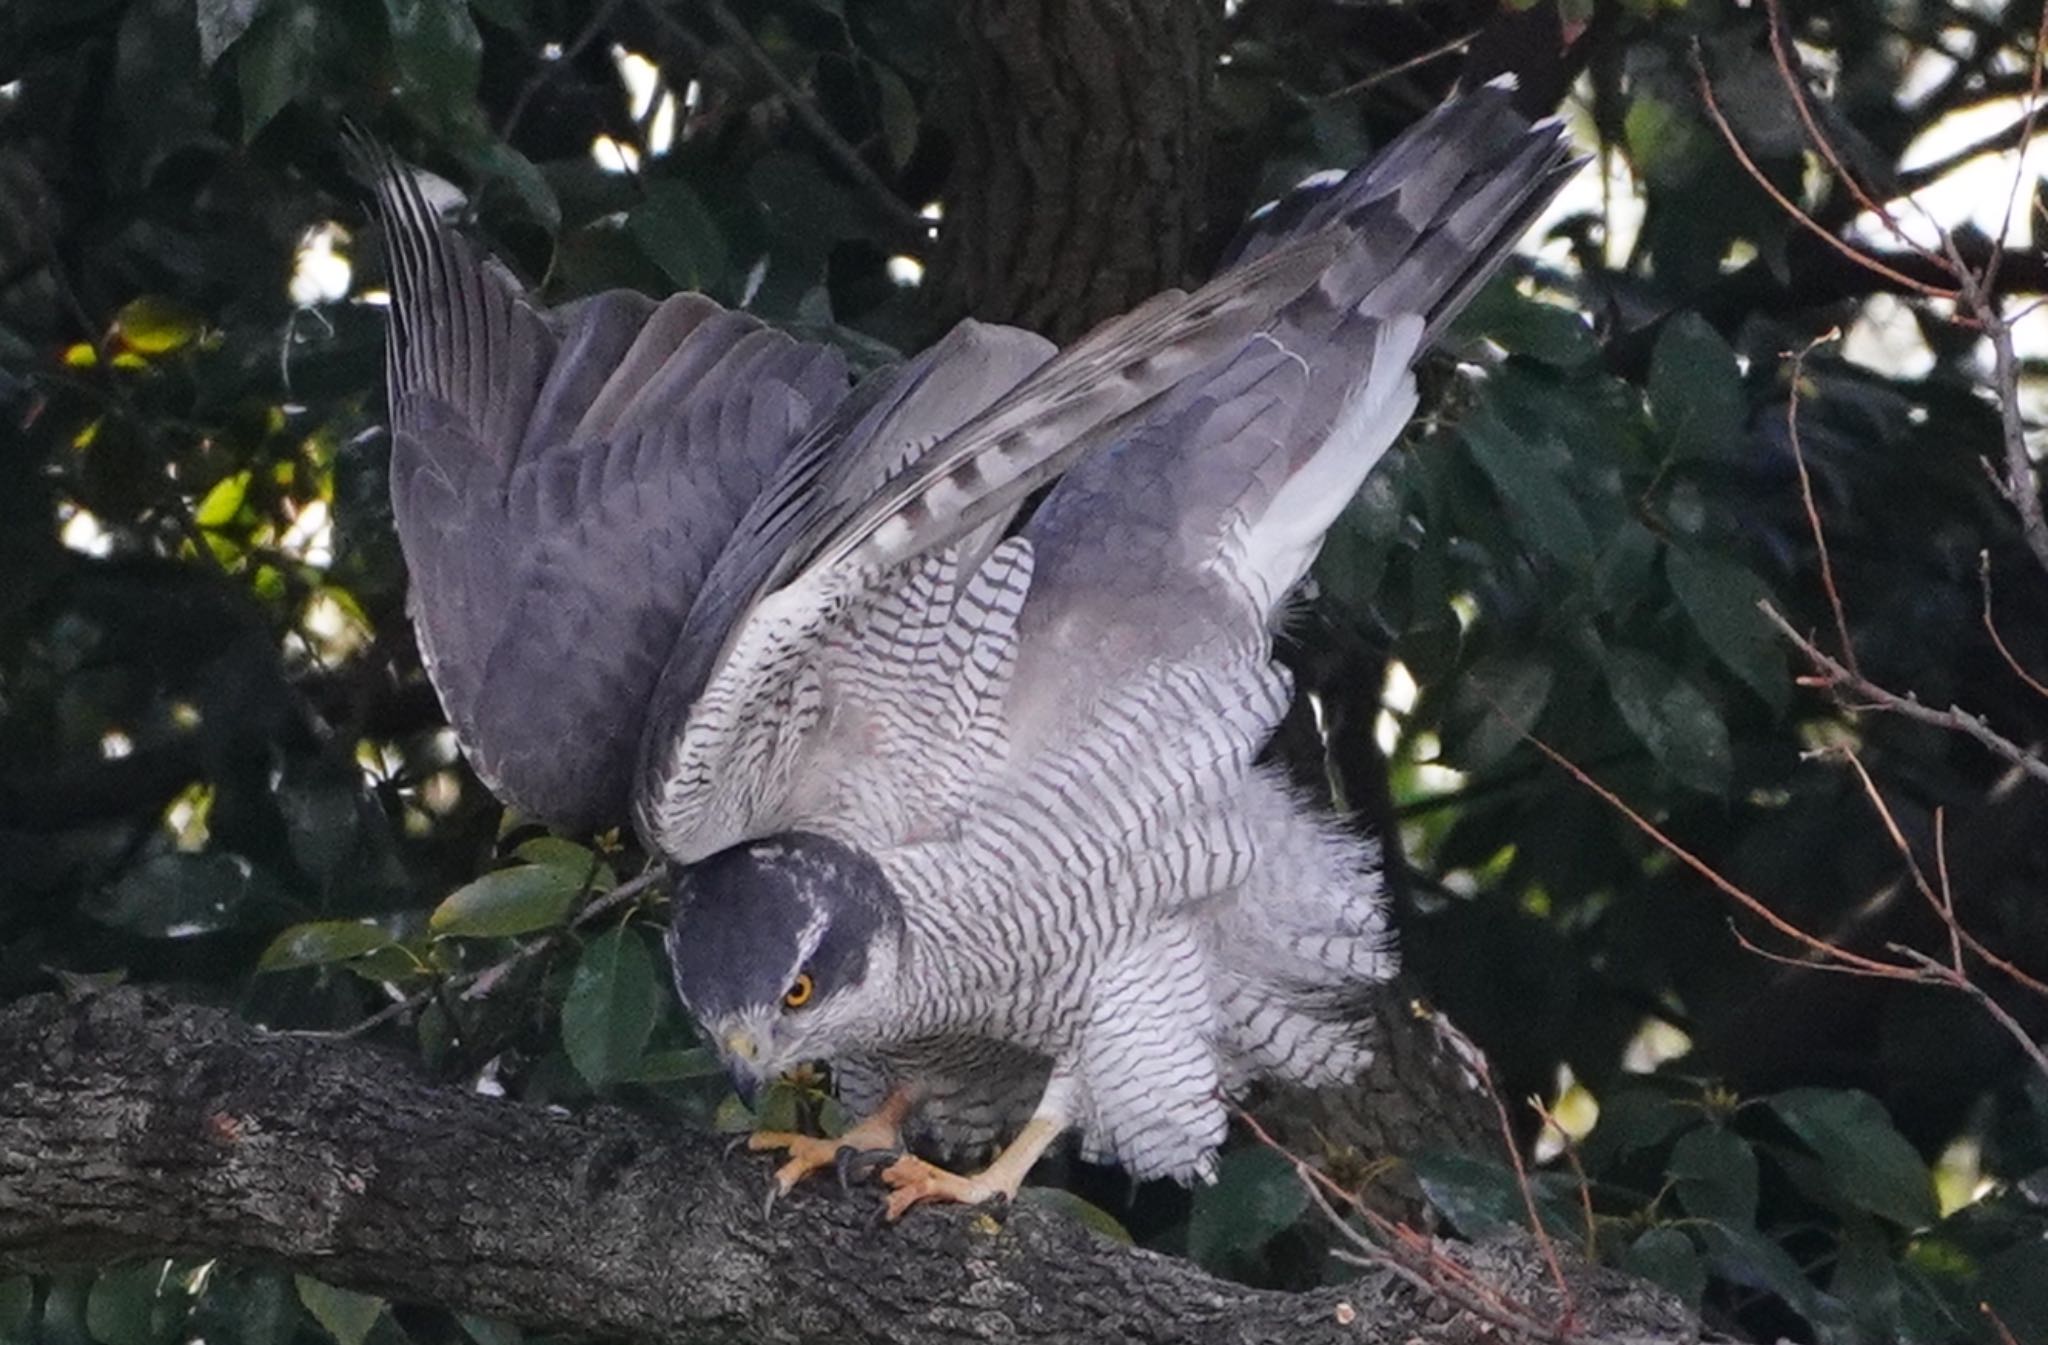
784	950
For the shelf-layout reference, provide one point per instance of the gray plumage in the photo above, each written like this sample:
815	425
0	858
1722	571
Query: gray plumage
984	787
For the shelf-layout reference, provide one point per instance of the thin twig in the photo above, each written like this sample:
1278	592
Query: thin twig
1795	84
1874	971
1855	254
1983	997
1476	1060
1988	282
1443	49
1820	537
1707	871
1955	718
902	219
1570	1152
1991	627
1891	827
1947	905
2021	489
1411	1256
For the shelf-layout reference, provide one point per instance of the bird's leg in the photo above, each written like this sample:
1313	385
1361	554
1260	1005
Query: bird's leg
914	1181
881	1129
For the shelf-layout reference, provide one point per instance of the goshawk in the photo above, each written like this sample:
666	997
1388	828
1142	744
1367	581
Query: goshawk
958	796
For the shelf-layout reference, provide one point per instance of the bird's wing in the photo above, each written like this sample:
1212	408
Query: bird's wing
1202	446
562	482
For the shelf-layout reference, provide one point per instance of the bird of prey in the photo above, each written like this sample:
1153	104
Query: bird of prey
943	695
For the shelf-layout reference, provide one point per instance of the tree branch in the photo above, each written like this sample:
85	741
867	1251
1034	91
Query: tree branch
131	1125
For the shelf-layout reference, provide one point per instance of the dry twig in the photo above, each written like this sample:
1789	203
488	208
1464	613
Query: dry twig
1955	718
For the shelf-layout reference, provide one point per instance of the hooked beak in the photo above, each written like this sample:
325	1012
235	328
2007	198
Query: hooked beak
741	1055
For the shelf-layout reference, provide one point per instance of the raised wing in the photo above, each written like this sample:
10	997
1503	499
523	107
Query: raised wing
563	482
1207	442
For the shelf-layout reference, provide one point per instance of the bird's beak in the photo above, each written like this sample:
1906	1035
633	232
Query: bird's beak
741	1055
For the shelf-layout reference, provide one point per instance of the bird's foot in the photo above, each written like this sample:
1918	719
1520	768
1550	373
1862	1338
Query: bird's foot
914	1181
808	1154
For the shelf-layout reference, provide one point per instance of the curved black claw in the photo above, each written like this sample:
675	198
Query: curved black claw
736	1143
857	1165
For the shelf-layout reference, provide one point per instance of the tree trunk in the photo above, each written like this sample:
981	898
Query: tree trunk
133	1126
1081	144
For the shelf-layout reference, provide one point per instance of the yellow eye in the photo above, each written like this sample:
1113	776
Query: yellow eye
799	994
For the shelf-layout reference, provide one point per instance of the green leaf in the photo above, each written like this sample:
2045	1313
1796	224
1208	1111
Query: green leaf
696	1062
1721	597
155	325
322	942
177	895
1481	1197
1089	1216
1255	1197
1748	1258
576	861
1635	1118
1672	718
1666	1256
515	15
1623	577
347	1316
679	235
246	1307
1501	698
1545	332
134	1304
2015	1283
494	159
1527	476
610	1008
218	507
439	55
1715	1173
1696	393
17	1306
507	902
277	59
1866	1159
898	115
489	1330
220	23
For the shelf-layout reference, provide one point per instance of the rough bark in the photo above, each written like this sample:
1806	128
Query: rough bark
1080	151
131	1125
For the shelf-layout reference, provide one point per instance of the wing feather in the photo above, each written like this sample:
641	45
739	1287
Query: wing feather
562	482
1201	445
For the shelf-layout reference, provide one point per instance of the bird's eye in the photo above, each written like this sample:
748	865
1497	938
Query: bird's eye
799	992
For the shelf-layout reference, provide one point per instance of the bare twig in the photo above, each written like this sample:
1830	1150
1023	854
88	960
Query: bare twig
2021	489
1955	718
1820	947
1989	280
1443	49
1410	1255
1792	208
1475	1059
1991	628
1795	84
1820	537
1957	981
